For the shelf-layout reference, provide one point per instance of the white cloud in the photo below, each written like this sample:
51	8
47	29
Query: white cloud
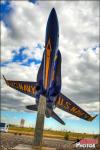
79	30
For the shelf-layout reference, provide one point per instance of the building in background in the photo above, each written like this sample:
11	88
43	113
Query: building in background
22	122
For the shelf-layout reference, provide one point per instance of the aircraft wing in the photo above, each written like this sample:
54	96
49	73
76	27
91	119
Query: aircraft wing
28	88
67	105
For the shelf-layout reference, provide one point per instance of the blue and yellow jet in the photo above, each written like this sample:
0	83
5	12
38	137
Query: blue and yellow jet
49	78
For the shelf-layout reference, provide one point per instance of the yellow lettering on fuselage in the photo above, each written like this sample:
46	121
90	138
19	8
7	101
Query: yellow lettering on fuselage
47	63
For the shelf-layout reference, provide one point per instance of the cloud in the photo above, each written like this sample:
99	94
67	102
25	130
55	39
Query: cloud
78	44
81	77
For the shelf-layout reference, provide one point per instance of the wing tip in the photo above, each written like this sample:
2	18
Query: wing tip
5	79
92	118
64	123
95	116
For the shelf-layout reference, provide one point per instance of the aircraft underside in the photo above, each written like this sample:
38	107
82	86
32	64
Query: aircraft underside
49	78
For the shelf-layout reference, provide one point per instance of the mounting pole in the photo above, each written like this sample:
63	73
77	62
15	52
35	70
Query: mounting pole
38	134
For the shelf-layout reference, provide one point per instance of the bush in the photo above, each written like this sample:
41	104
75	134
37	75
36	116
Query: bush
66	137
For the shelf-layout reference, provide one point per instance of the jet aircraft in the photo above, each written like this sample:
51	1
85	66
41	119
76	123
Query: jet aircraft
48	81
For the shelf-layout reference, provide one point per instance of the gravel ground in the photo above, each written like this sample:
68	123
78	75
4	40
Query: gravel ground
8	141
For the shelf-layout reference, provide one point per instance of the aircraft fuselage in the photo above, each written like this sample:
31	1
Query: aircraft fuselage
51	48
48	81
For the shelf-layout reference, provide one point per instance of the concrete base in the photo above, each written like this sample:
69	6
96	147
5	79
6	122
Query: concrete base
29	147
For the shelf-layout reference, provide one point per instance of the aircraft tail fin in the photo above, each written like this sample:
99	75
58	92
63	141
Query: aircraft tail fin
56	117
32	107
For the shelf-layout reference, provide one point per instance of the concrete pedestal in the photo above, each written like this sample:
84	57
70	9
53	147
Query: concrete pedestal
38	134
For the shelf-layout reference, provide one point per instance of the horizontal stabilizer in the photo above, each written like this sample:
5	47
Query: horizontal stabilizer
56	117
32	107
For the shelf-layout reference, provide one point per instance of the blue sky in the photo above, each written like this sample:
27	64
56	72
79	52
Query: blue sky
71	124
23	31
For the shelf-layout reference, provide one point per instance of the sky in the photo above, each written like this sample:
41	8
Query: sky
23	25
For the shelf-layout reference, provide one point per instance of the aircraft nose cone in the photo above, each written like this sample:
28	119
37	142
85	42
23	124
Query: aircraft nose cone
52	29
53	12
53	17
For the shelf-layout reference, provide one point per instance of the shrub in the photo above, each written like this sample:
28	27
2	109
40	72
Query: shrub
66	137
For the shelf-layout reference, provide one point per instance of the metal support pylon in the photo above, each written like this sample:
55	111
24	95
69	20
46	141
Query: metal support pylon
38	134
